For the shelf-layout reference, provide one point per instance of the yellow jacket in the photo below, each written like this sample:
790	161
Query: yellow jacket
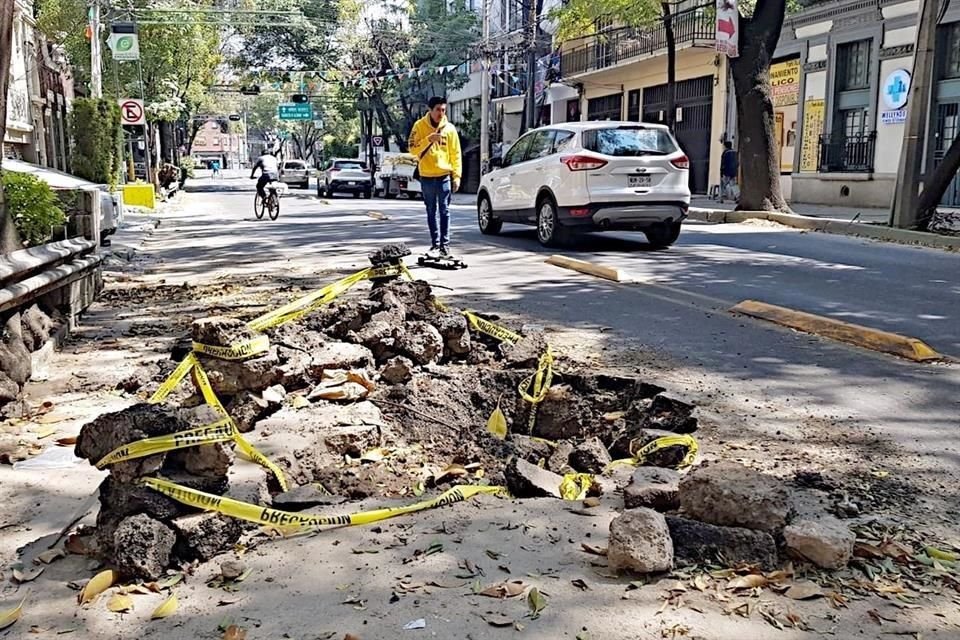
443	157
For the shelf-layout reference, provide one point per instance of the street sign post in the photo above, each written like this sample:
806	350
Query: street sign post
295	111
131	111
378	141
124	46
728	28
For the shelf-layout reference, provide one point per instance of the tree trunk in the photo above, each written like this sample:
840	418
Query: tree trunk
756	136
671	66
937	184
9	238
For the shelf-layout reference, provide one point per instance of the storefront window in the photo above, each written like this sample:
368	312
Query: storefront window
952	63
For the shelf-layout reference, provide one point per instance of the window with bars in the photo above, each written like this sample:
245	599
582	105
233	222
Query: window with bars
854	122
605	108
854	65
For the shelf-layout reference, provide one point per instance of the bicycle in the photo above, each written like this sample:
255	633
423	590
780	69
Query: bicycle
270	204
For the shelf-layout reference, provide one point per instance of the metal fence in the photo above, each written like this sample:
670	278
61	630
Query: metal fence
612	47
847	153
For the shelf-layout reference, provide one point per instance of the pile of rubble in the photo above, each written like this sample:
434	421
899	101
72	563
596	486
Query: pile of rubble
388	395
19	341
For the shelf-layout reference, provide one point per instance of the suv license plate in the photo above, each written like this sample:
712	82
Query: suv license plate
638	181
352	183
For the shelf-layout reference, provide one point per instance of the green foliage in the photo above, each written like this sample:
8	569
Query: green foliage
187	163
33	205
274	51
95	126
577	18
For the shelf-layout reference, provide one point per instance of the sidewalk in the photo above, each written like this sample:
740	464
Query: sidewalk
866	214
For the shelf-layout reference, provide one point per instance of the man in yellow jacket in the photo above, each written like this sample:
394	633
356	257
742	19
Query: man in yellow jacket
436	143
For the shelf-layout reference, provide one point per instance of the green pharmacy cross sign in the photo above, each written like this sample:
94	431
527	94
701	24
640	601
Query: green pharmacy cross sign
125	46
295	111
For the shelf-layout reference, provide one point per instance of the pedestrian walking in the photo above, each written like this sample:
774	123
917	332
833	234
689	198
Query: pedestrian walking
215	165
729	168
437	146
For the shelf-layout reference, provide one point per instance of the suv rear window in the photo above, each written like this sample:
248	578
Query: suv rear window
294	165
348	165
629	141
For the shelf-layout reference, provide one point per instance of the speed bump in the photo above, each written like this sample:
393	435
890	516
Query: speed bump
598	270
874	339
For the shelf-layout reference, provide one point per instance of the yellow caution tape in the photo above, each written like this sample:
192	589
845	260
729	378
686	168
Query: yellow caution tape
680	440
538	384
238	351
219	431
302	306
276	517
387	271
491	329
575	486
178	374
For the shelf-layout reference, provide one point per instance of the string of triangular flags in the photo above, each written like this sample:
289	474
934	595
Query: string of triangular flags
362	77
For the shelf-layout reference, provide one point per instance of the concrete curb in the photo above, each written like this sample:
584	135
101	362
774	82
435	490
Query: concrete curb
831	225
866	337
598	270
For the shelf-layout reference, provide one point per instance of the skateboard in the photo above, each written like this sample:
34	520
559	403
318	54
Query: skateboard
449	262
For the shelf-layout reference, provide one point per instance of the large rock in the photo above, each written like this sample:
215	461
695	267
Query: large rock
15	359
339	355
415	298
123	499
230	377
112	430
221	331
526	480
559	460
531	449
668	414
453	329
634	438
653	488
591	456
698	543
826	542
9	390
142	547
397	370
247	408
525	354
305	496
562	414
729	494
640	541
206	460
421	342
202	536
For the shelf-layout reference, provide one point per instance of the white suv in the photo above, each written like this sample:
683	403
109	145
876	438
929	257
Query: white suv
589	176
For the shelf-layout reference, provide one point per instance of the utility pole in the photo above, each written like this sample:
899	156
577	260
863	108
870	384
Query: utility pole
906	198
532	66
485	90
96	74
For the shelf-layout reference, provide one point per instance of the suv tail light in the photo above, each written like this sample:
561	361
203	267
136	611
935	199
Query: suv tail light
582	163
683	162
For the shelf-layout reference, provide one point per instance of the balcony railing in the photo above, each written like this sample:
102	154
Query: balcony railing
842	153
612	47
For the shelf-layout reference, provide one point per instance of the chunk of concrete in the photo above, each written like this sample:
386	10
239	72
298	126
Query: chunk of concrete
698	543
203	536
653	488
590	456
142	547
230	377
397	370
526	352
339	355
421	342
640	541
526	480
827	542
221	331
730	494
559	460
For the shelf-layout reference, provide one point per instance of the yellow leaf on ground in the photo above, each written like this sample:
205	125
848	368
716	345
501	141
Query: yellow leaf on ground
234	632
804	590
747	582
120	603
97	585
10	616
166	608
497	423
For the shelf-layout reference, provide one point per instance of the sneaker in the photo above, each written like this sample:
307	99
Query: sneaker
434	252
444	251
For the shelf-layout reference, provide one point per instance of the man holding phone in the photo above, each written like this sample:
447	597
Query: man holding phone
437	146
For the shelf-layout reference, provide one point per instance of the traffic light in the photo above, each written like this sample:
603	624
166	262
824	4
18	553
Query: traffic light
299	98
250	90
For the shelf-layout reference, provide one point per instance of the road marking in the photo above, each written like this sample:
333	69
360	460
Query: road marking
598	270
866	337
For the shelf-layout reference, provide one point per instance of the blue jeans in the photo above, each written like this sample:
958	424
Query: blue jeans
436	195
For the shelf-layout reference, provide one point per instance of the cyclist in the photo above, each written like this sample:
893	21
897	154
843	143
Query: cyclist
269	171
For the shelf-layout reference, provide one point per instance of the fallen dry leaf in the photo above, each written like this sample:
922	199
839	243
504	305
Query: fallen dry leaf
498	620
233	632
452	471
536	602
508	589
69	441
751	581
167	608
97	585
497	423
120	603
591	502
10	616
50	555
580	584
595	550
350	636
613	416
26	575
700	582
804	591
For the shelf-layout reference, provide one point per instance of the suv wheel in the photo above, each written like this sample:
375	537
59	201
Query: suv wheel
663	235
550	232
489	225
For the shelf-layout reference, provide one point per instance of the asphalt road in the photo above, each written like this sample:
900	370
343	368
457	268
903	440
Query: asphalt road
677	304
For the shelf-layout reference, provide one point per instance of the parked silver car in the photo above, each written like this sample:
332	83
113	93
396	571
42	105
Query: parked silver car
342	175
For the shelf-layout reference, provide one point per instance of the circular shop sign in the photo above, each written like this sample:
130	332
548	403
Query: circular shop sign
896	89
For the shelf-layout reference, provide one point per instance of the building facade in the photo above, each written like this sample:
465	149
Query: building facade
855	60
38	97
212	143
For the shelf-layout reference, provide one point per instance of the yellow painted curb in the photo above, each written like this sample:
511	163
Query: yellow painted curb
874	339
598	270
